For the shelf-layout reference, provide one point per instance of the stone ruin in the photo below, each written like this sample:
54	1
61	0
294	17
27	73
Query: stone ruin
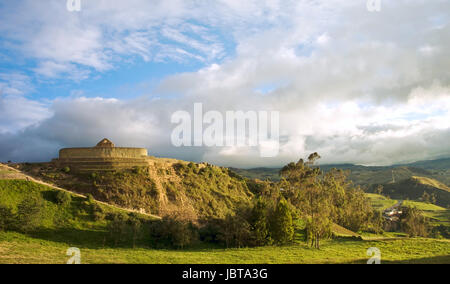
103	157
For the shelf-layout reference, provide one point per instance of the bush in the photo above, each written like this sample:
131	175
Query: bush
90	199
235	231
6	218
118	228
29	214
174	231
63	198
97	212
66	170
441	231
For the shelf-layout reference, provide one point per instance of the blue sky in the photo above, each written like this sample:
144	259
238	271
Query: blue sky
355	86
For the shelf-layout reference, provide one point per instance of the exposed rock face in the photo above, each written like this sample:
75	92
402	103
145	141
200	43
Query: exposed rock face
103	157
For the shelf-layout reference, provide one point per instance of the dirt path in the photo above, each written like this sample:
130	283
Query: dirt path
7	172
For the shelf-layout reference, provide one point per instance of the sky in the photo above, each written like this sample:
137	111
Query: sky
356	86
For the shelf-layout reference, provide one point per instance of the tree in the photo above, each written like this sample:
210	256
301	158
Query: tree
63	198
259	224
282	227
135	224
433	198
174	231
377	222
379	189
426	197
413	222
324	198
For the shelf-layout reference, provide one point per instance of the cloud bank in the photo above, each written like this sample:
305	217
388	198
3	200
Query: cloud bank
355	86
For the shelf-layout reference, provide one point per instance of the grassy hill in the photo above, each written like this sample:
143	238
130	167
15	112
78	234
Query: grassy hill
80	221
166	187
77	224
380	202
437	214
413	188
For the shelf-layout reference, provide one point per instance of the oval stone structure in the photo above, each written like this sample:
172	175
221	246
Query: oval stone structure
103	157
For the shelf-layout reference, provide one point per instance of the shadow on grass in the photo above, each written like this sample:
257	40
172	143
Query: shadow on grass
74	237
441	259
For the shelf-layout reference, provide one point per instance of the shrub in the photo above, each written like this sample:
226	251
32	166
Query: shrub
29	214
135	224
6	218
63	198
174	231
97	212
235	231
118	228
66	170
90	199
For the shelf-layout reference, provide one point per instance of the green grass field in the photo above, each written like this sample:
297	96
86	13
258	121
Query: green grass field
437	214
18	248
380	202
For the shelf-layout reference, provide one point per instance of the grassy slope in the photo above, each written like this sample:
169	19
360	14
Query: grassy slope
198	190
431	182
380	202
414	187
437	214
73	223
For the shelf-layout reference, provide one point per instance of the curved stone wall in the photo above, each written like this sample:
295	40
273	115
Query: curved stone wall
102	152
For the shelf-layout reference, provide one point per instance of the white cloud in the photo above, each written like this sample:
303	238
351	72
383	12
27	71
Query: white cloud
352	85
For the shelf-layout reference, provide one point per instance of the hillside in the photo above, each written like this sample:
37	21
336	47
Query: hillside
437	215
79	220
165	187
413	188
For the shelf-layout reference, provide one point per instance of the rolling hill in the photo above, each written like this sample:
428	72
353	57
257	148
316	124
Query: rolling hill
414	188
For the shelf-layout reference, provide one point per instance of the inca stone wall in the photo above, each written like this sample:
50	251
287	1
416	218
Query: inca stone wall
104	157
102	152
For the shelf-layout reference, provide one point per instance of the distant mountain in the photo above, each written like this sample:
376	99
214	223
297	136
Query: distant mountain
369	174
431	164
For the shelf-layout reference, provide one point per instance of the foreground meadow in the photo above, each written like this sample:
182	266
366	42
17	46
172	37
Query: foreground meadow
18	248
